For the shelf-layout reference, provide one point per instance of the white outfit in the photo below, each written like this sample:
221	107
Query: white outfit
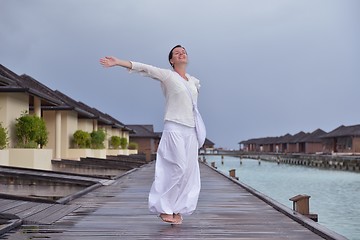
177	184
178	105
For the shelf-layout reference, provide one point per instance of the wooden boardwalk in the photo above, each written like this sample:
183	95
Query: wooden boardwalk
119	211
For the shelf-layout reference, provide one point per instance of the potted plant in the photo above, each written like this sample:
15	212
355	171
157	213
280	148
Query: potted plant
97	139
133	146
4	153
3	137
123	143
30	131
115	142
82	139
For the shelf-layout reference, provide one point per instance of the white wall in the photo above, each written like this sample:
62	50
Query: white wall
12	105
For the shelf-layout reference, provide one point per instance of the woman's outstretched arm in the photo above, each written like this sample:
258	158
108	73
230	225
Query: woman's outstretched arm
143	69
109	61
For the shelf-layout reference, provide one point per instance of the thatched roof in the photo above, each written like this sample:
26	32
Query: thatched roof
344	131
143	131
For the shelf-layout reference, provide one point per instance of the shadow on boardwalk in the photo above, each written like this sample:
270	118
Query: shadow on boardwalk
119	211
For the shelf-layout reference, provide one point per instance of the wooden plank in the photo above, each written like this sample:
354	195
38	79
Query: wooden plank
52	214
10	204
9	225
37	216
4	203
33	210
22	207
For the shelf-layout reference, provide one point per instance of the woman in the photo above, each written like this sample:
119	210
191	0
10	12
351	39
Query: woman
176	187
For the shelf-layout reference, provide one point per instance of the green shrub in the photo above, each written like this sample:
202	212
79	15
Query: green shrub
115	141
82	139
30	144
3	137
123	143
133	146
30	131
97	139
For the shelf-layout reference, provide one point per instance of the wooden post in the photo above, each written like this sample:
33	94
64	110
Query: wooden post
301	205
213	165
233	174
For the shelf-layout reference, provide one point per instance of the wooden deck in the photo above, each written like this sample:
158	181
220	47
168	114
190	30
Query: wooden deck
119	211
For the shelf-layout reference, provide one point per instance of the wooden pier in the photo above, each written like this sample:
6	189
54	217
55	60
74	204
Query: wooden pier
226	210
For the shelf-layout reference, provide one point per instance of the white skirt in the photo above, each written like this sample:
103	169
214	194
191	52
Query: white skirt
177	184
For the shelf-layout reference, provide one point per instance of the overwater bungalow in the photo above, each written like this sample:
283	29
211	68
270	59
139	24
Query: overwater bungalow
312	143
282	143
343	140
146	138
293	145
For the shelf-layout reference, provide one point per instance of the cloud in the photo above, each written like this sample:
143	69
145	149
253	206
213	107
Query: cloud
267	67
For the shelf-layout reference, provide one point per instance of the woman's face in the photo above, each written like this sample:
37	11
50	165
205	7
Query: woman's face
179	55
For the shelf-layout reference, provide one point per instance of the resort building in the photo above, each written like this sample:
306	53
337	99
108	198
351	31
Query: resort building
63	116
342	140
147	140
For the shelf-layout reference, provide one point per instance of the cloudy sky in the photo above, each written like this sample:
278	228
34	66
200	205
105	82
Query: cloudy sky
267	67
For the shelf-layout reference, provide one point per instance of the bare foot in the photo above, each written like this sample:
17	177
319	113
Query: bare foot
178	218
168	218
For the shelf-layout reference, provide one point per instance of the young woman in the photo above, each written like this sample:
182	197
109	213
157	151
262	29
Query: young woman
176	187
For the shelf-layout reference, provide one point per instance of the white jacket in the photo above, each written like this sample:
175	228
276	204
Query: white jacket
178	105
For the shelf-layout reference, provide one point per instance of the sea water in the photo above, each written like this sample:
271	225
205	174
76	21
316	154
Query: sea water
335	195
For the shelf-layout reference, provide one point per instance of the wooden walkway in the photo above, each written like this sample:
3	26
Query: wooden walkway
119	211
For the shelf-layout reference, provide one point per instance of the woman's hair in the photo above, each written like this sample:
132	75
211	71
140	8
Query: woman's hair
171	53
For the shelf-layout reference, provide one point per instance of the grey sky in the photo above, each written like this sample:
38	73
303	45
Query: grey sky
267	67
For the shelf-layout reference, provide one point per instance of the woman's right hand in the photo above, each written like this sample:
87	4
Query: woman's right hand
109	61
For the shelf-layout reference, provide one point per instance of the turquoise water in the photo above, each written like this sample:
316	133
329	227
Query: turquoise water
335	195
